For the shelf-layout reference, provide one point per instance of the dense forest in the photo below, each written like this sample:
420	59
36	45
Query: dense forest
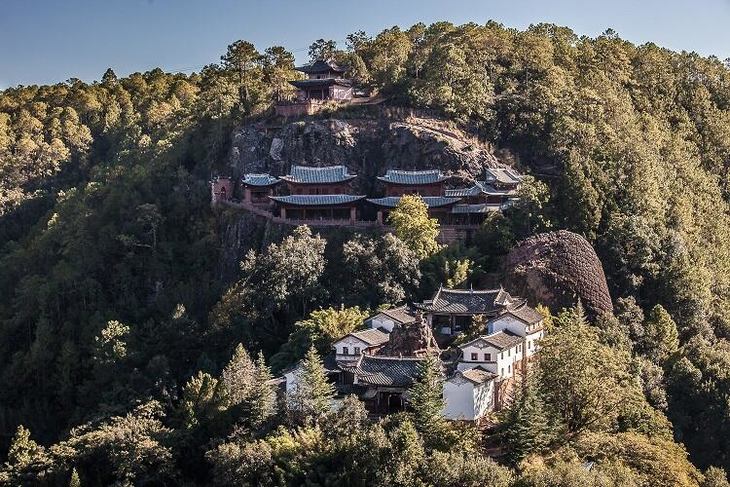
126	359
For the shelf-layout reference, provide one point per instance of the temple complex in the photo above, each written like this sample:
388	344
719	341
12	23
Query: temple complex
257	188
319	193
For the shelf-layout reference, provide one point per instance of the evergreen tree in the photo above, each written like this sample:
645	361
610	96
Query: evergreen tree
23	450
661	338
313	393
526	427
427	402
74	481
262	399
238	377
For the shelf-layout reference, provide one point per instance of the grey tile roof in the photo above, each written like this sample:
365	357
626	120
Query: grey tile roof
399	176
503	340
467	301
400	314
502	175
388	371
259	179
318	175
321	66
317	199
480	187
372	336
475	208
526	313
431	201
478	375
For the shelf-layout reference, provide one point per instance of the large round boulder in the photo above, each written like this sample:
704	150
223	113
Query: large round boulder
556	269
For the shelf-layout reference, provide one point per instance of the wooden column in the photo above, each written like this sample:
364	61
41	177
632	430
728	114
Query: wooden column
380	216
283	212
353	214
247	195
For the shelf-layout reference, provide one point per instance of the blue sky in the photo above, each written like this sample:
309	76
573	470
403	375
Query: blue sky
48	41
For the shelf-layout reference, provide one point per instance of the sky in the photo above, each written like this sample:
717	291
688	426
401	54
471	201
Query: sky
50	41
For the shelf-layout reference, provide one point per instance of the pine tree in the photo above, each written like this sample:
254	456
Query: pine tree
661	338
526	425
22	448
427	402
75	481
313	394
261	402
238	377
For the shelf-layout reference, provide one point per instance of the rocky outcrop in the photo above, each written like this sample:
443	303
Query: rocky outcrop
368	146
556	269
411	340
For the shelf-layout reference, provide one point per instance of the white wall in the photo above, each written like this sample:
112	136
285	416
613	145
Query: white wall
382	321
509	323
459	399
502	363
483	398
350	343
292	379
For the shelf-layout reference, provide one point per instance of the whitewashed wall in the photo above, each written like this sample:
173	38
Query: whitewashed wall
459	399
349	342
382	321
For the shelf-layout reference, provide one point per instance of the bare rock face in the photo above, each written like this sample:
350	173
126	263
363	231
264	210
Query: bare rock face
411	340
556	269
368	146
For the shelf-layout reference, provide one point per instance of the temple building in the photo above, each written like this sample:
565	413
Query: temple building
325	82
319	193
496	192
425	183
257	188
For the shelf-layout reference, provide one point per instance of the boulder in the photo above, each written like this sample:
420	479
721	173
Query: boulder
556	269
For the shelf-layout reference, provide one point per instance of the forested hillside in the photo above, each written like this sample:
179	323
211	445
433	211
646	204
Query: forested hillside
119	331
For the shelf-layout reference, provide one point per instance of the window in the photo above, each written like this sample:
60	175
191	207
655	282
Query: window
502	373
345	351
509	352
509	369
474	357
501	355
487	357
357	350
529	345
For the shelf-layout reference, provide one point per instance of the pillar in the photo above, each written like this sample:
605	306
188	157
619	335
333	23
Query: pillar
353	214
380	217
283	212
247	195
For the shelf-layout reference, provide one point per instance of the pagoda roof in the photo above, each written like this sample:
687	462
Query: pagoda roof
259	179
321	66
318	175
317	199
431	201
467	301
317	83
480	187
525	313
399	176
477	208
502	175
387	371
399	314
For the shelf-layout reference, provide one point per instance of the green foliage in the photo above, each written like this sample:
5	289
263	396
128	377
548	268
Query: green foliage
312	397
427	402
320	330
414	227
380	270
660	338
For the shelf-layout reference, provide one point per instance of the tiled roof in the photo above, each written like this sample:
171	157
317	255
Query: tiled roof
321	66
313	83
467	301
400	314
478	375
387	371
502	175
399	176
431	201
479	187
372	337
318	175
526	313
259	179
317	199
503	340
475	208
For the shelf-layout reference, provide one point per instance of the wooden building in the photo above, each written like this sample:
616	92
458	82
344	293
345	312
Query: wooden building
221	189
425	183
325	82
319	193
258	187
